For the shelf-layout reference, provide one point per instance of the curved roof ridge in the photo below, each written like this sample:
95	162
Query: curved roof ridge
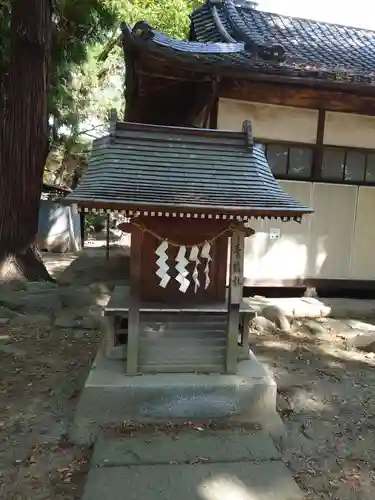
238	24
220	26
290	41
144	31
294	18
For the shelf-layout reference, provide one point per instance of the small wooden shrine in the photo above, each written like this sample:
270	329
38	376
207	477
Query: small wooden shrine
186	192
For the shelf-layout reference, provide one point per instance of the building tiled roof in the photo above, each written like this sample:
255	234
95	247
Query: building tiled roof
204	56
147	167
292	45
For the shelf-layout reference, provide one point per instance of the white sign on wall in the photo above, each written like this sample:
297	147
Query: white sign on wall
274	234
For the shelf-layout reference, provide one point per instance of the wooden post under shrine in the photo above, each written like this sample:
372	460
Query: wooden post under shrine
235	297
134	302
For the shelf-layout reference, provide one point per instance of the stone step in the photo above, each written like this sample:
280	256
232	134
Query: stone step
241	481
234	445
194	464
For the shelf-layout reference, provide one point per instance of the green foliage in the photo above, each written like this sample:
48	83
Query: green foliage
95	221
170	16
79	26
83	86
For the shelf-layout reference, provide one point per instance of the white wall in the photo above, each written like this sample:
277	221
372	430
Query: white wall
362	264
277	123
338	240
349	130
276	260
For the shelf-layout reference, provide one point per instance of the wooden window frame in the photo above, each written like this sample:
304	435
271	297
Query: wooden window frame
316	167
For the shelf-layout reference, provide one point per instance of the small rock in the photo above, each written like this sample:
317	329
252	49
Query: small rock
12	349
76	296
276	316
66	320
7	314
41	286
4	321
262	325
365	341
17	285
314	327
31	320
284	406
79	334
41	302
90	323
77	319
53	433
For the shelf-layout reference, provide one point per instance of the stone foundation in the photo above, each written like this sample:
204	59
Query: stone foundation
110	397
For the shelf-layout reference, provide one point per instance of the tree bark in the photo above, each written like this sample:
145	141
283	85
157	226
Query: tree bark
24	138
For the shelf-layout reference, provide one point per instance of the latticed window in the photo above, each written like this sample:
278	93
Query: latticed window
289	161
336	164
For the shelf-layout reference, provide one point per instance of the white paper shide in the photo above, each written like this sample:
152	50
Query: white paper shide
184	256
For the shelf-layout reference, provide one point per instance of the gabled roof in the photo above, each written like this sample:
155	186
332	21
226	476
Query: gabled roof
292	45
215	174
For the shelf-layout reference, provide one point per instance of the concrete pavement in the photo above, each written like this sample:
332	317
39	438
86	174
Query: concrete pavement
195	464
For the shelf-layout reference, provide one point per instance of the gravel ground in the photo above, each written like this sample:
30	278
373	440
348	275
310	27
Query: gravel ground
41	373
326	398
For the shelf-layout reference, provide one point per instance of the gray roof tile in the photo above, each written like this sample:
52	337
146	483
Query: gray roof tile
141	167
311	48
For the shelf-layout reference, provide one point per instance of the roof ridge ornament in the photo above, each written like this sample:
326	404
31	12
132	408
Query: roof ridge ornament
113	119
238	24
220	26
267	52
143	30
247	129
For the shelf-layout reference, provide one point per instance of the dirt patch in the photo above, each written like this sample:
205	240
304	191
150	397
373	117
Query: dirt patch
42	371
41	374
90	266
326	398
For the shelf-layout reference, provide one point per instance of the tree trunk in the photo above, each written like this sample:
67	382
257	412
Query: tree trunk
24	138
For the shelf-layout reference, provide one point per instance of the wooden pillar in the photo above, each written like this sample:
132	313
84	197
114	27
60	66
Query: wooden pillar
235	298
214	114
108	219
82	224
319	146
134	302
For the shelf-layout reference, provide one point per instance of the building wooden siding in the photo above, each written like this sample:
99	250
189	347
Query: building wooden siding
337	241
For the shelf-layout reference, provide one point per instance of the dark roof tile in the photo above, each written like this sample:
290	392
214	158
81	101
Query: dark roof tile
143	166
309	46
226	58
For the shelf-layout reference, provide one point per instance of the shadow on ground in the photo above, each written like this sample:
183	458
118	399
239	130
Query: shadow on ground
326	398
90	266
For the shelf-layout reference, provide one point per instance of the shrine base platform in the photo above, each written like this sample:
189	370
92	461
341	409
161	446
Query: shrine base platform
110	397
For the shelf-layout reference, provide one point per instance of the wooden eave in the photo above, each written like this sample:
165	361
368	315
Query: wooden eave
159	77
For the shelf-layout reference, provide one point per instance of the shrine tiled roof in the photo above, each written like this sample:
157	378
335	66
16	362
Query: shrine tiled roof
292	46
143	168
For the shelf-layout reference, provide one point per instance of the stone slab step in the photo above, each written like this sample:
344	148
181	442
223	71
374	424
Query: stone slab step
234	445
240	481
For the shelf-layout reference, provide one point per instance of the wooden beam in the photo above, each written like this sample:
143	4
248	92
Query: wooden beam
108	233
134	301
214	114
318	151
302	96
235	298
